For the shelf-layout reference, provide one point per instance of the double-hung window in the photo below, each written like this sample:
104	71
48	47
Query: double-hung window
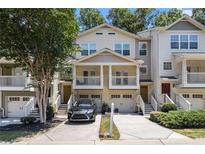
167	65
174	41
143	48
87	48
193	42
122	48
184	41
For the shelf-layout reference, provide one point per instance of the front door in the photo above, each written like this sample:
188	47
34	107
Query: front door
66	93
144	93
166	88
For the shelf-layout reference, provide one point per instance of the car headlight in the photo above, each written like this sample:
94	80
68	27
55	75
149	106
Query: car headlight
70	112
90	111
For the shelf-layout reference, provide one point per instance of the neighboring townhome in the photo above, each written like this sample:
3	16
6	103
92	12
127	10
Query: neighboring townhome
178	62
17	96
112	66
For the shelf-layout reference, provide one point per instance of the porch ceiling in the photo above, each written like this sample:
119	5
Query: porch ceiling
189	56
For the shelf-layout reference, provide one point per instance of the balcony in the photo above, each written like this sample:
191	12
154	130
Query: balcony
12	82
196	78
124	82
88	80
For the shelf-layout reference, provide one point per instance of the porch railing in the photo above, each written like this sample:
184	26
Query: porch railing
141	103
185	104
154	103
124	81
12	81
88	80
70	102
196	77
164	98
58	102
29	106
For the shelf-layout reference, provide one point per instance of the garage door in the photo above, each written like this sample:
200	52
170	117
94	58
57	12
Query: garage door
98	102
124	103
16	106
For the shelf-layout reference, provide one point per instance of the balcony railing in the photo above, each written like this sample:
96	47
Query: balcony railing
196	78
88	80
12	81
124	81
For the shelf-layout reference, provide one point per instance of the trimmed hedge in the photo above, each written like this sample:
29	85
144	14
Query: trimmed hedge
180	119
166	107
28	120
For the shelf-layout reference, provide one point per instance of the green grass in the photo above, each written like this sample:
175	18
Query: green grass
104	129
9	136
192	133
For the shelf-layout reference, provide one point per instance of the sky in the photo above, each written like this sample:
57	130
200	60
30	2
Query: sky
104	11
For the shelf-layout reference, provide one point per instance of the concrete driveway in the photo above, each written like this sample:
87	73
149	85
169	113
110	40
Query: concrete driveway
135	127
82	133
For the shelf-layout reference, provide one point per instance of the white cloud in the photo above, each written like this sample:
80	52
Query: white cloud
188	12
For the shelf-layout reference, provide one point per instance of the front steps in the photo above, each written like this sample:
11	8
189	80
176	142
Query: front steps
148	108
62	110
34	113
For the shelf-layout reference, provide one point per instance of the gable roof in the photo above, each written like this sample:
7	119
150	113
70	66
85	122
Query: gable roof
185	17
114	28
113	53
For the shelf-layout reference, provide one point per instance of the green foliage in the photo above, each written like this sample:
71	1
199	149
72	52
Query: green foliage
50	112
131	21
166	107
199	15
104	108
168	17
90	18
180	119
28	120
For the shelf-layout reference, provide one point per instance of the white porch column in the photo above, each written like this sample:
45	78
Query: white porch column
110	76
101	76
55	86
138	76
74	75
184	72
0	99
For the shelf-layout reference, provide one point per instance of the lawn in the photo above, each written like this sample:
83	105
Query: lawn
193	133
104	129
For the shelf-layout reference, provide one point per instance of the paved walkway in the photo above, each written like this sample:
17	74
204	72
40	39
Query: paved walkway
9	121
133	127
69	132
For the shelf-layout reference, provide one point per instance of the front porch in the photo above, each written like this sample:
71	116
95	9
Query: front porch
191	72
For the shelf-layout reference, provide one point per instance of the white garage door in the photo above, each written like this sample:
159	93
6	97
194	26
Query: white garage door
16	106
125	105
98	102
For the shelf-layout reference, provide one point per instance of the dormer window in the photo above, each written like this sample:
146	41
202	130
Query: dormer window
87	48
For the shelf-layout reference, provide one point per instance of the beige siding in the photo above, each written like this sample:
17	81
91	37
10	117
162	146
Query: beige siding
183	25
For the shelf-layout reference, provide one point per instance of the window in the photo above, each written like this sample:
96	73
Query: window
122	48
184	42
83	96
185	95
174	41
95	96
115	96
193	44
92	73
26	99
127	96
87	48
143	70
14	98
143	48
167	65
118	78
197	96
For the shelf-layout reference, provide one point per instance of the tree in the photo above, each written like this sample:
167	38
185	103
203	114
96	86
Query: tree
199	15
39	40
131	21
167	17
90	18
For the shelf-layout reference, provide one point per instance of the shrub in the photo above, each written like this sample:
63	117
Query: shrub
50	112
166	107
180	119
28	120
104	108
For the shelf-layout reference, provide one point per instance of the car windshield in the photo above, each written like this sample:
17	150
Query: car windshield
85	103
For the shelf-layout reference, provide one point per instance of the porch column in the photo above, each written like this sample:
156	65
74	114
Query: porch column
137	76
110	76
101	76
184	72
74	75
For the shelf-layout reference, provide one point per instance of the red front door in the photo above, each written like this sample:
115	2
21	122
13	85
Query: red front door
166	88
